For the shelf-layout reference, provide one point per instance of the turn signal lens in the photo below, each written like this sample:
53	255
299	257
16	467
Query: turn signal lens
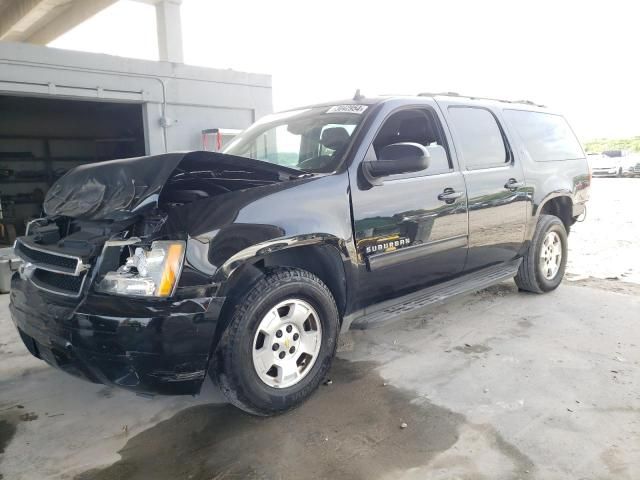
149	272
172	266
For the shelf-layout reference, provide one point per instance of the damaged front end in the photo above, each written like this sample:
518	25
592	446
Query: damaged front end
114	287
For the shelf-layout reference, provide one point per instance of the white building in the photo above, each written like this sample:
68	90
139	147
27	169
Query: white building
61	108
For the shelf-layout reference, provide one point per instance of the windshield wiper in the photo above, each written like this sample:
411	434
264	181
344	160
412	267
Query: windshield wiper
304	174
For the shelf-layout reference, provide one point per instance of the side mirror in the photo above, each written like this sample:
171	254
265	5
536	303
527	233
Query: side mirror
405	157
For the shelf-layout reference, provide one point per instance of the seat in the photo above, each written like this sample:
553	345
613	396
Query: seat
418	130
335	138
406	126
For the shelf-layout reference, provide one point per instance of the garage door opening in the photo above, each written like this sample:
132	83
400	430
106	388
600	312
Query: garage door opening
42	138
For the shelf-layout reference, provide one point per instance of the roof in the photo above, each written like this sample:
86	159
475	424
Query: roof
472	97
362	100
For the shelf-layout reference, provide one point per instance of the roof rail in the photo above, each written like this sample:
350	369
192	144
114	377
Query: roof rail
472	97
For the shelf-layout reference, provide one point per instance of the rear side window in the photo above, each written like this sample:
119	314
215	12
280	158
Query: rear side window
546	137
479	136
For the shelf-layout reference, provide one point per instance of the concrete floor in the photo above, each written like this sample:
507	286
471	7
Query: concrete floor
496	385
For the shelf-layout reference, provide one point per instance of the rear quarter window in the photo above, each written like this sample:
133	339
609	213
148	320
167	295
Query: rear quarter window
546	137
479	136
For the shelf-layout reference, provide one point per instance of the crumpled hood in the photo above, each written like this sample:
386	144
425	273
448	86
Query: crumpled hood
121	189
112	189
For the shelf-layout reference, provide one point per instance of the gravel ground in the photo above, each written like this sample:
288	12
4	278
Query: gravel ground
607	244
496	385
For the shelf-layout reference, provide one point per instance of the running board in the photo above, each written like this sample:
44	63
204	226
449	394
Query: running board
391	309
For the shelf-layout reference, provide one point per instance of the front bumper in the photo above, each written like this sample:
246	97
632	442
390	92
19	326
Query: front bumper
147	346
605	172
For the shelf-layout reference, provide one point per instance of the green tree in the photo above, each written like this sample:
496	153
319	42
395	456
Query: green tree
599	145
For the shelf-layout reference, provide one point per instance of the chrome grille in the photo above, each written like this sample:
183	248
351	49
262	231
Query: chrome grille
52	271
59	283
48	260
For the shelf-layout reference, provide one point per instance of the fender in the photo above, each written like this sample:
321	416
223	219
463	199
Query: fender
537	208
260	250
241	267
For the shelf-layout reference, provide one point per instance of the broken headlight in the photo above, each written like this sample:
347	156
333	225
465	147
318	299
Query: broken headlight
149	272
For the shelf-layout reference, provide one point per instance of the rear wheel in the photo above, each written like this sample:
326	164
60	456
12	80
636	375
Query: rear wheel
543	266
279	343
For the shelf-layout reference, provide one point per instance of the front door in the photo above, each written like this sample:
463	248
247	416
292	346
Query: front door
495	185
410	229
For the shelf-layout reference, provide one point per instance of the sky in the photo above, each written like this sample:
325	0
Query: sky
578	57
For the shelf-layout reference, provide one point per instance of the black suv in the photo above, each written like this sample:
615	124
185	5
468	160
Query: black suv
148	273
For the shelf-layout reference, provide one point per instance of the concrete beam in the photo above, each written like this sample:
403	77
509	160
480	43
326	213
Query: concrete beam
77	13
18	15
169	26
41	21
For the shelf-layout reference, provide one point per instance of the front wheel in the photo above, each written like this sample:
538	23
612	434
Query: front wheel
279	343
542	268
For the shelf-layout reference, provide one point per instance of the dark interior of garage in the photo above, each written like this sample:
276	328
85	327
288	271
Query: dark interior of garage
42	138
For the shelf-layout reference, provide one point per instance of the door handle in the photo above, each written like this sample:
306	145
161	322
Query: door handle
512	184
450	195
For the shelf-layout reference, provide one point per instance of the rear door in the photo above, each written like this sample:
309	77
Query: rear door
410	229
497	197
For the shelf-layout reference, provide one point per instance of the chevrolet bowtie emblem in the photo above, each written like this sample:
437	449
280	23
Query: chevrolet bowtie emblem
286	343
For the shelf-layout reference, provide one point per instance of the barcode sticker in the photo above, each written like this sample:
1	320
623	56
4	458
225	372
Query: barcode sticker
359	109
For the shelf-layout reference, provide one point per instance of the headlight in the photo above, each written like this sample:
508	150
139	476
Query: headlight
151	272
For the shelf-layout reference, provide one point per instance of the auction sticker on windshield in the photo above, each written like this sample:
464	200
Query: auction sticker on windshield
359	109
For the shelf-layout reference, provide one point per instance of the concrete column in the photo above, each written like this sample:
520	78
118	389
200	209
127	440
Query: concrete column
169	27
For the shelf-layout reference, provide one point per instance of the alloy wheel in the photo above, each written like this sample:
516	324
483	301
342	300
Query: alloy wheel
551	255
287	343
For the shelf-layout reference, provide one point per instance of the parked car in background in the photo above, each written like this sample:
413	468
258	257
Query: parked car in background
606	166
631	165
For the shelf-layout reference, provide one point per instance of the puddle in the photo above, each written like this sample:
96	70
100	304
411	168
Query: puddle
9	418
7	431
349	429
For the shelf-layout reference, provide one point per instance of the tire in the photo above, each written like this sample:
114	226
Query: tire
264	392
531	277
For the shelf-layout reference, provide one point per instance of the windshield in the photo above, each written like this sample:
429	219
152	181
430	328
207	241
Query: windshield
314	139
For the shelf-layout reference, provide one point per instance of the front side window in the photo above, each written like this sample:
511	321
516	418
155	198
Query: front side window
415	126
479	136
313	140
547	137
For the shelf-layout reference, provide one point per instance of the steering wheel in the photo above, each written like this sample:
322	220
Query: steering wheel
315	162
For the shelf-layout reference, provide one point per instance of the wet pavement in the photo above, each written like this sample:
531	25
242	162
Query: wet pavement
359	440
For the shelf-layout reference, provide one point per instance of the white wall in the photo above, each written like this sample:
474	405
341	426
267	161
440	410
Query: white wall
190	98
